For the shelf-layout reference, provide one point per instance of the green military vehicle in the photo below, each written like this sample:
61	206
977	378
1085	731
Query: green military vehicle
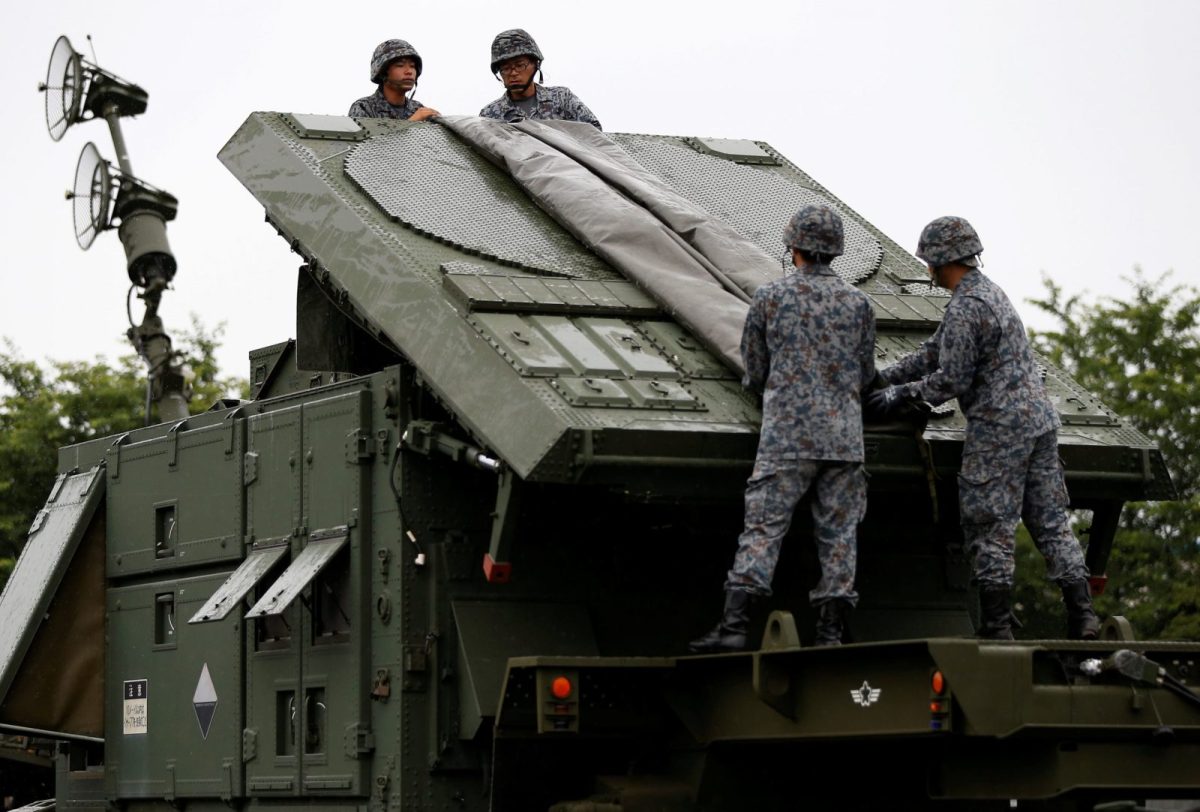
449	555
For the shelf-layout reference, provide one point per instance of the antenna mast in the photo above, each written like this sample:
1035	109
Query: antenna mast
76	91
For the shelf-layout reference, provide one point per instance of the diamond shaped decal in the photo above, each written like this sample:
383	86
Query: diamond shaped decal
204	700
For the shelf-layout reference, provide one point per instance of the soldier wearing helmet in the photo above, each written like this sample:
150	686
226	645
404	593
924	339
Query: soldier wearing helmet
515	60
809	347
1010	467
395	67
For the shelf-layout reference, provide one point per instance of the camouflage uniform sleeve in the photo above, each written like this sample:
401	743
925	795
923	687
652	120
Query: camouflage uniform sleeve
755	356
958	355
867	350
916	364
359	110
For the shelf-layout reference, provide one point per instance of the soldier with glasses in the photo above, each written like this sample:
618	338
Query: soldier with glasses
515	60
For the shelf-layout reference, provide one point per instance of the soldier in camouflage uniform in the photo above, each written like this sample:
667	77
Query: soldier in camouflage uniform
1010	466
395	67
515	59
809	347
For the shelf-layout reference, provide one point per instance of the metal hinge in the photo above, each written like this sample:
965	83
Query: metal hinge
249	467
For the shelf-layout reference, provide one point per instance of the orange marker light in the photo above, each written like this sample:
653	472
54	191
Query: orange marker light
935	707
938	683
561	687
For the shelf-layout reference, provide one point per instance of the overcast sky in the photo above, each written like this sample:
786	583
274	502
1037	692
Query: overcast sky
1067	132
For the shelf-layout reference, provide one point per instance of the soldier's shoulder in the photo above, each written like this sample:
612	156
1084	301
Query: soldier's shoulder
361	106
973	305
777	286
491	107
991	290
769	291
559	91
864	301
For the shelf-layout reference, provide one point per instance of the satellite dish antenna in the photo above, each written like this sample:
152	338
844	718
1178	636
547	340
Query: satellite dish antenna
63	88
92	196
77	90
107	197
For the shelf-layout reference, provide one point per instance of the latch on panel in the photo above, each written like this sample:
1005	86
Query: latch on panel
249	467
231	427
359	741
249	744
415	659
360	447
114	456
173	443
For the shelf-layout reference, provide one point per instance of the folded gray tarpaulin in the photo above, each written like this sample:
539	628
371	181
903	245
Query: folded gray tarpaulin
696	267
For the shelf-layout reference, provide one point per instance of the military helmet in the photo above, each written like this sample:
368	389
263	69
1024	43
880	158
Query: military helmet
512	43
815	230
947	240
388	52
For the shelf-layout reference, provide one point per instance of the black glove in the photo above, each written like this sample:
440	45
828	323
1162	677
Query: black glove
888	401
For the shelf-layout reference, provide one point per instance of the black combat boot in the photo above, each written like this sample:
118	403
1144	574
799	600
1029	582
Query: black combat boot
995	613
1082	623
832	616
730	633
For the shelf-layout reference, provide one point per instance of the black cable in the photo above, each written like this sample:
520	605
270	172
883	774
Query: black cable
129	307
1180	690
392	482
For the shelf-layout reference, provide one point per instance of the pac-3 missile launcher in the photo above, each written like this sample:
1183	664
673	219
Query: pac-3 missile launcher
449	554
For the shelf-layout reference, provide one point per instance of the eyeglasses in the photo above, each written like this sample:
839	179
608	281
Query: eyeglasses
516	67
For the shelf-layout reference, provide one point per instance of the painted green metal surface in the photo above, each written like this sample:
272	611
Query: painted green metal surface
413	234
390	561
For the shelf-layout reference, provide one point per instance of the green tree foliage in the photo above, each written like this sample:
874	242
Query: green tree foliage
1140	353
44	407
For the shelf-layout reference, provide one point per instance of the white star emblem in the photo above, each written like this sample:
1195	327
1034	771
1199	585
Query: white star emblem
866	695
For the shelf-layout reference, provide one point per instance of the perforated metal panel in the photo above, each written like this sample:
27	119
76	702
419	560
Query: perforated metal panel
755	202
427	179
918	289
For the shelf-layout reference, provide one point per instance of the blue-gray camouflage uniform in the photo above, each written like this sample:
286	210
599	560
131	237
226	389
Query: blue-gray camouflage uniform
1010	465
552	103
377	106
809	347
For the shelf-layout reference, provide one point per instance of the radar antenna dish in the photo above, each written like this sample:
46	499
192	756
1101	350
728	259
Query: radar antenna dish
63	88
91	195
78	90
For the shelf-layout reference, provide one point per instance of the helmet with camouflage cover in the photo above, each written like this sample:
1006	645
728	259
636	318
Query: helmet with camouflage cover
512	43
947	240
388	52
815	229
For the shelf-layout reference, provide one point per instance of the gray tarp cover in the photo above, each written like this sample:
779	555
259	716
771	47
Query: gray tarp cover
696	267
